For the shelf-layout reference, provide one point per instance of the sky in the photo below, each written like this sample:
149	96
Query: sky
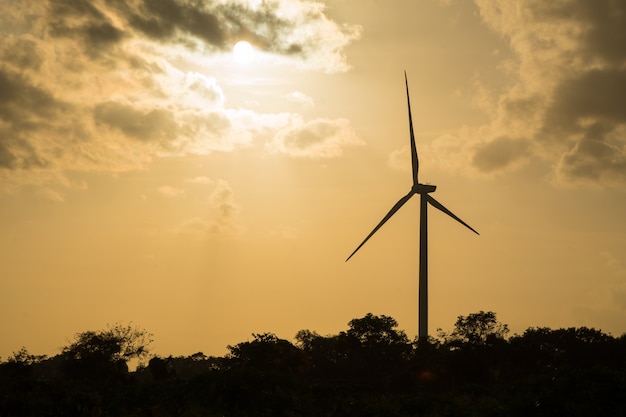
152	173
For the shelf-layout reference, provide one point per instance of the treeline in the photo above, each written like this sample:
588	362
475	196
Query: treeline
371	369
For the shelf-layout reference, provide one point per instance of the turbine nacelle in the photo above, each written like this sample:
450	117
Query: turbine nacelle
423	188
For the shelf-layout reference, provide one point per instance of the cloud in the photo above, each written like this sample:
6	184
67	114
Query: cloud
451	152
170	192
83	21
299	98
51	195
224	210
220	210
196	227
107	85
24	108
599	157
155	124
499	153
567	104
320	138
296	28
200	180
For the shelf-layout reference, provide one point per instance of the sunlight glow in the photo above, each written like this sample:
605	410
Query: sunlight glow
244	52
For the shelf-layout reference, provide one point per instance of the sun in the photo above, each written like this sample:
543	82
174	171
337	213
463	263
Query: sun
243	52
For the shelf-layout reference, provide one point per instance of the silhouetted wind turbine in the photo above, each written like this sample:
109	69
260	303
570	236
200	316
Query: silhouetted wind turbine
424	191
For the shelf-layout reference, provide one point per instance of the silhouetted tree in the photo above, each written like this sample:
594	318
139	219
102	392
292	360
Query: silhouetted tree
98	355
477	348
380	347
370	369
267	353
158	368
262	376
371	353
19	366
377	331
327	354
476	329
548	349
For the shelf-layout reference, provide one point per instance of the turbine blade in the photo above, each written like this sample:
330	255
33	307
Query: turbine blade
414	161
440	206
393	210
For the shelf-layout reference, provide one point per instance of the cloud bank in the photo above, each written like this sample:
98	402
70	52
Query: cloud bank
99	84
568	104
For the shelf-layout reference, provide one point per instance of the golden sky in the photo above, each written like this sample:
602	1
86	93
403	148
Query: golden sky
150	175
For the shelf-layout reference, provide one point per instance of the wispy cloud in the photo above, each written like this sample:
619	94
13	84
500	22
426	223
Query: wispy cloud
224	210
299	98
200	180
220	210
170	192
51	195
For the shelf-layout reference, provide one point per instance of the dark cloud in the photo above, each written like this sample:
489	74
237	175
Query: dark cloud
20	101
590	111
166	20
146	125
607	34
598	94
80	19
262	26
598	157
569	100
16	153
21	53
500	153
602	25
217	24
24	109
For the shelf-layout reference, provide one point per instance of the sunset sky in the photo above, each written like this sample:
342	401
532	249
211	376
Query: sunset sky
150	175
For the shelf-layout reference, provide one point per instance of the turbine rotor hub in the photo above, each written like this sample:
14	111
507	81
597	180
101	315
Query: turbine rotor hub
423	188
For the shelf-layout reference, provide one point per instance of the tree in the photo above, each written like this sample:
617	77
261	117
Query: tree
477	329
267	354
374	350
372	343
20	364
377	331
574	346
97	355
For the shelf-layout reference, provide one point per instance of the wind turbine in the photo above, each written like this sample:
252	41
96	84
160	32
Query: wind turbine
424	191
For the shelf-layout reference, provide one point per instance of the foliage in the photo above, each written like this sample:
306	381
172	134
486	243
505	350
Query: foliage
19	365
266	354
117	343
100	354
376	331
370	369
476	329
22	357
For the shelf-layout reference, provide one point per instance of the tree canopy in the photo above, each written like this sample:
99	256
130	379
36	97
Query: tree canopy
370	369
99	354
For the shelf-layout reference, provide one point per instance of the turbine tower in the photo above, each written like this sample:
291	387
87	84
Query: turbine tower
424	191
